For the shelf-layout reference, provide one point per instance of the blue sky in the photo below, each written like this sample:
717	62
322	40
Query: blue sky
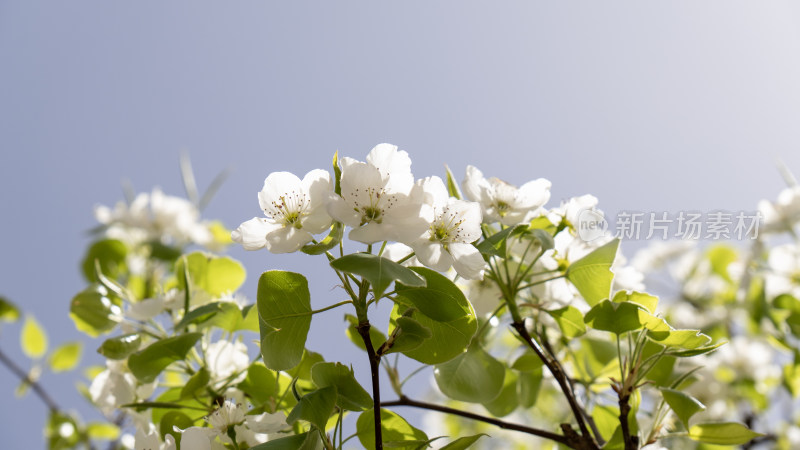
649	106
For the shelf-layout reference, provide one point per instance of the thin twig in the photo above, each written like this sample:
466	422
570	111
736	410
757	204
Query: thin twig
37	388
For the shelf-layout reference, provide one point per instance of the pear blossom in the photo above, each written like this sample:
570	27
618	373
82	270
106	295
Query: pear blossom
503	202
784	271
151	441
448	240
154	216
225	416
783	214
379	199
113	387
225	358
295	211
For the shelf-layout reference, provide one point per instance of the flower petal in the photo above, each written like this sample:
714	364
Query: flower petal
253	233
287	239
278	184
467	261
432	254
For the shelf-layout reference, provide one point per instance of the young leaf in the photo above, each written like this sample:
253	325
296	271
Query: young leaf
102	431
592	275
110	254
726	433
452	185
474	376
315	407
146	364
617	318
331	240
8	311
196	383
684	405
395	431
375	335
448	340
294	442
93	312
33	339
380	272
645	300
409	335
440	299
284	307
66	357
507	400
214	274
120	347
463	443
495	245
570	320
352	396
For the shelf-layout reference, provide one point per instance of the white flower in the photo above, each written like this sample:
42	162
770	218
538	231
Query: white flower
113	387
397	251
199	438
255	429
295	211
782	215
784	273
225	416
503	202
379	198
448	240
154	216
571	209
225	358
151	441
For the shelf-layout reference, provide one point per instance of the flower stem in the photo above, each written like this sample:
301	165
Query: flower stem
374	366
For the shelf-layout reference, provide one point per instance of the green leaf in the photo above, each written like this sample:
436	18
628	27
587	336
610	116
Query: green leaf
528	362
452	185
172	419
93	312
315	407
8	311
726	433
474	376
120	347
507	400
303	370
463	443
294	442
146	364
495	245
380	272
448	340
375	335
643	299
394	430
721	257
697	351
196	383
570	320
661	332
337	174
352	396
66	357
103	431
684	405
408	335
331	240
440	299
592	275
225	315
110	254
617	318
216	275
261	384
284	307
528	386
33	339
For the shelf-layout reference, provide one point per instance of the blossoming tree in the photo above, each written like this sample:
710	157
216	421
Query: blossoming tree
536	337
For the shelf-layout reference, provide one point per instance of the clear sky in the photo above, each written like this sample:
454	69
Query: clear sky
648	105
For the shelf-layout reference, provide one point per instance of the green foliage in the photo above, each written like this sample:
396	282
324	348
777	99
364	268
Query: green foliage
216	275
380	272
727	433
495	245
508	399
408	335
110	254
8	311
448	340
397	433
33	338
148	363
65	357
351	395
375	335
683	404
463	443
330	241
592	275
617	318
570	320
120	347
473	376
315	407
439	299
284	307
93	312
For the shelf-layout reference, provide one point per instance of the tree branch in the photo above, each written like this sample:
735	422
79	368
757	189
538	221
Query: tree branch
405	401
37	388
374	363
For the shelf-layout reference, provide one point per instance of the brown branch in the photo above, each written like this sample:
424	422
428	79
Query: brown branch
405	401
586	439
37	388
